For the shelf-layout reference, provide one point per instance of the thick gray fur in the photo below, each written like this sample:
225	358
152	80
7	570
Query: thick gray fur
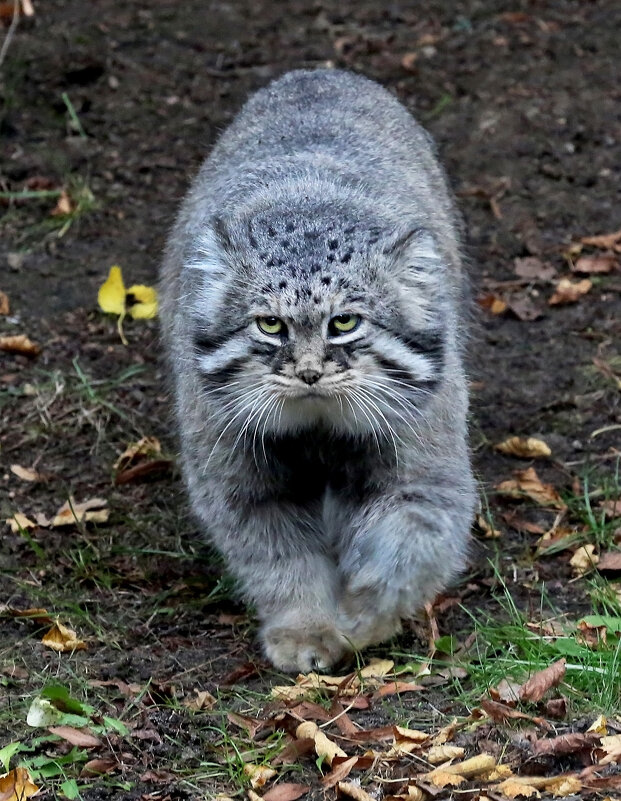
332	471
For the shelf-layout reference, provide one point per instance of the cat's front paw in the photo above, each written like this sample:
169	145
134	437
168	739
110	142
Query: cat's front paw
365	618
310	646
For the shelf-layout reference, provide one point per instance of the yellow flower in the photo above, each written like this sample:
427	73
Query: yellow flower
139	301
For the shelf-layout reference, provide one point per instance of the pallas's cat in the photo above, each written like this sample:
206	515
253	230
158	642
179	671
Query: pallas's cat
313	313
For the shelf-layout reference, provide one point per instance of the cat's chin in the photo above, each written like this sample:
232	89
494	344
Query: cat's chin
314	411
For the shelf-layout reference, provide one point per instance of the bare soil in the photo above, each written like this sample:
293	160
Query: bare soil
523	101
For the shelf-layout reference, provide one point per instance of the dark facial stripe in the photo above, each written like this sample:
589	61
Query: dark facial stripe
207	342
227	373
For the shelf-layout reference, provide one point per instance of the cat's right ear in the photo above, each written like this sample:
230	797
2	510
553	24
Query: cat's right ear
221	230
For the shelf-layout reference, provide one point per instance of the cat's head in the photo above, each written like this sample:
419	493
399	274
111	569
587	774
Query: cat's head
304	320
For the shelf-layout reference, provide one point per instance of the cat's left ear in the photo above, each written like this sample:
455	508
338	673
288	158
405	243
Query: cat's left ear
419	271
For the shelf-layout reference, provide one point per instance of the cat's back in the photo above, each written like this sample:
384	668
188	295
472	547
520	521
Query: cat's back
328	126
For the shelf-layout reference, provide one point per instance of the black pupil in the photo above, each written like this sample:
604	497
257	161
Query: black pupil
271	321
343	319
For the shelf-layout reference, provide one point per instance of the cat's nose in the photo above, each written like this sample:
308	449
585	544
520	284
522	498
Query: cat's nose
310	375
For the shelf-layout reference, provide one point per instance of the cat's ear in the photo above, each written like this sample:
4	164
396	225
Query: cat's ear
222	233
418	269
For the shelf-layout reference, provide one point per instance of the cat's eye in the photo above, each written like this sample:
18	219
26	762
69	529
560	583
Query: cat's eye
271	325
343	324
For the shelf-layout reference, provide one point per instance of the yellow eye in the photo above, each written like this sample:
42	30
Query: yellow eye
343	324
270	325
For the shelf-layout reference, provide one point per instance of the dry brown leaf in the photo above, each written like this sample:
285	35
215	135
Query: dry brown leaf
414	735
79	737
501	713
604	263
492	303
609	562
137	451
475	766
377	669
287	791
354	791
36	613
445	734
568	291
19	522
507	691
611	509
524	308
604	241
63	206
339	772
62	639
486	528
533	269
443	753
514	788
611	746
396	688
324	747
599	725
201	700
524	447
98	767
584	559
543	680
562	786
26	473
17	785
19	343
565	744
527	482
5	307
442	778
92	511
258	774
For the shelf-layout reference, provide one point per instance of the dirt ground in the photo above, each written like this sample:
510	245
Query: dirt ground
523	99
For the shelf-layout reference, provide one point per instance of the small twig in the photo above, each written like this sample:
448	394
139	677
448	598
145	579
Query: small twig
11	31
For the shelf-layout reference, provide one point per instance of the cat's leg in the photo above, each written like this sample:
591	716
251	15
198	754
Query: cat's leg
277	555
403	547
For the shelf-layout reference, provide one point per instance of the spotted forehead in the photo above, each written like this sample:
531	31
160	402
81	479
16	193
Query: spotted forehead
293	245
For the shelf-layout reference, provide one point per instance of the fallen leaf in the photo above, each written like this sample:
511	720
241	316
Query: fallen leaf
396	688
611	508
527	482
522	307
543	680
139	301
609	562
604	241
287	791
524	447
442	778
5	307
443	753
17	785
514	788
599	726
339	772
584	559
475	766
565	744
492	303
507	691
19	522
201	700
36	613
92	511
611	746
562	786
258	774
604	263
556	708
26	473
79	737
98	767
486	528
19	343
324	747
64	205
501	713
137	451
354	791
568	291
61	638
533	269
377	669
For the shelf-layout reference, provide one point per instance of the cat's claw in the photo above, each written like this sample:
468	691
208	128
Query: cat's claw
310	647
